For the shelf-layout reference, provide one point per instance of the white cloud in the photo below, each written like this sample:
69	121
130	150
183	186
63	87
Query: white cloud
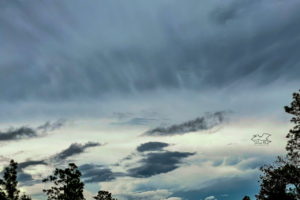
211	198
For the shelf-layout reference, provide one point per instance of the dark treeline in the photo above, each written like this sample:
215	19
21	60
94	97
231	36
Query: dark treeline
66	185
279	181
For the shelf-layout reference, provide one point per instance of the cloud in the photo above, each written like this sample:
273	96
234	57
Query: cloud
201	123
157	163
92	173
234	186
25	132
28	163
152	146
224	13
138	121
147	195
18	134
51	126
25	178
74	149
211	198
181	53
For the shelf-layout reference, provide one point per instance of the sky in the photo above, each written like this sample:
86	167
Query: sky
153	100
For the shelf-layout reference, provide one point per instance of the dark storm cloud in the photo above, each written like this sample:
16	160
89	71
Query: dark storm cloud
74	149
152	146
201	123
18	134
157	163
92	173
121	47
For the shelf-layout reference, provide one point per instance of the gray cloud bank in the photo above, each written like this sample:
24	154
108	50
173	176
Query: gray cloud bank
87	49
206	122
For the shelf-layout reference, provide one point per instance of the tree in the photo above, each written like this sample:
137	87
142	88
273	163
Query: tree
25	197
9	183
104	195
282	179
293	144
276	180
246	198
67	184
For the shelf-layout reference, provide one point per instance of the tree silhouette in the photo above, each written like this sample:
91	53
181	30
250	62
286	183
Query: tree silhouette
281	180
67	184
293	144
104	195
25	197
246	198
9	183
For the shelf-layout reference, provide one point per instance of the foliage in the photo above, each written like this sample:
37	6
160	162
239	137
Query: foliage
104	195
67	184
25	197
275	180
282	179
293	144
9	190
246	198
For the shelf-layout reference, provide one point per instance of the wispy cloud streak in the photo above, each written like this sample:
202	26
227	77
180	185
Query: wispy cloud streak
201	123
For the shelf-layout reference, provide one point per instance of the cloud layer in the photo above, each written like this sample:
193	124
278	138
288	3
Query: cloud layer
208	45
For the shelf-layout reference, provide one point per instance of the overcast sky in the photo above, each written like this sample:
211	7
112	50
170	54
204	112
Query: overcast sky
151	99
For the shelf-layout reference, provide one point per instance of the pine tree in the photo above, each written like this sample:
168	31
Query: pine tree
282	179
293	144
25	197
67	184
104	195
9	183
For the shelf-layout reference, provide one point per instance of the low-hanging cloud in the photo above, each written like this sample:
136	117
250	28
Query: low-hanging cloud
18	134
51	126
151	146
74	149
157	163
28	163
26	178
26	132
201	123
92	173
